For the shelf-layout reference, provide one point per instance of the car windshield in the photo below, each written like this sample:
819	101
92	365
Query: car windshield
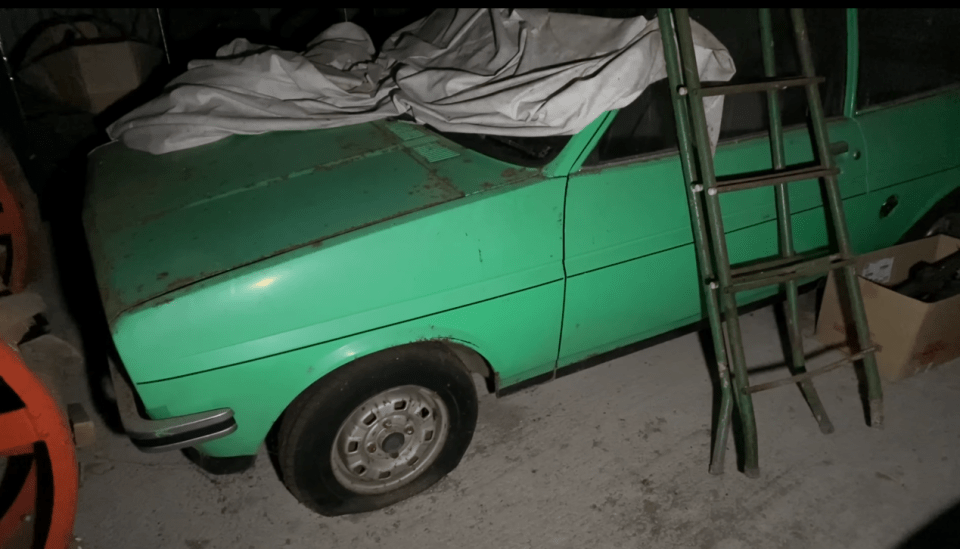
534	152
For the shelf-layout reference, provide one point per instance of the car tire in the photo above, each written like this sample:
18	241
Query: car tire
377	431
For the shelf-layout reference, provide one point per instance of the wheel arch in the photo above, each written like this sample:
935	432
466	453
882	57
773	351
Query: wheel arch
475	363
361	348
938	205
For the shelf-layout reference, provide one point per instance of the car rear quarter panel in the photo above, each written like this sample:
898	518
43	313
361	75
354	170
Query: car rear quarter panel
468	251
517	333
485	271
913	150
912	138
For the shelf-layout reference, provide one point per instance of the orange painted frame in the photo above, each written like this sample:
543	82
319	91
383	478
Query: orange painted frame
39	422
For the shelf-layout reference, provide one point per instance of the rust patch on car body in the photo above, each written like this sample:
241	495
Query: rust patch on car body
439	187
513	176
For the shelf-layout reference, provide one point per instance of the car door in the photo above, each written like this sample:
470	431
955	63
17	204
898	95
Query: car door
629	260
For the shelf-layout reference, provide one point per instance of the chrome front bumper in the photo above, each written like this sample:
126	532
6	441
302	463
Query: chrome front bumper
162	435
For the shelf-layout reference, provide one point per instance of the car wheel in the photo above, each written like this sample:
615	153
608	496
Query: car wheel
379	430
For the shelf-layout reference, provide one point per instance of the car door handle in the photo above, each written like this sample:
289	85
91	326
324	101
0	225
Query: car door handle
839	147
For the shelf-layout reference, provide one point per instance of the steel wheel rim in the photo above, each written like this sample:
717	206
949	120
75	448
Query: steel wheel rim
390	440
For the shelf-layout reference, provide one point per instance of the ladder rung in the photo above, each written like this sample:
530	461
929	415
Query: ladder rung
758	266
774	178
784	269
708	90
812	373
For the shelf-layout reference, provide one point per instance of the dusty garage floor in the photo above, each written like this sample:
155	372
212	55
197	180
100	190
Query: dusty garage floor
615	456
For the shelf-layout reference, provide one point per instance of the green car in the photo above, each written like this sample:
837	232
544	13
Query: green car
339	289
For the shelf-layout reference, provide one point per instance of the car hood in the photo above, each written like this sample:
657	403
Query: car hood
155	224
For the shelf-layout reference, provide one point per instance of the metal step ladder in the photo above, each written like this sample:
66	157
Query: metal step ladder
721	281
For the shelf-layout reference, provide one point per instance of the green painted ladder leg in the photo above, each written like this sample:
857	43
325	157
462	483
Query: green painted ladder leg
720	281
700	238
785	227
835	202
738	367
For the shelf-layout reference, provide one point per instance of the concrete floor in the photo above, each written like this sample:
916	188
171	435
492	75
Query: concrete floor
615	456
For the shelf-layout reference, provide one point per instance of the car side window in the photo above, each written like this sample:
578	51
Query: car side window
906	52
647	125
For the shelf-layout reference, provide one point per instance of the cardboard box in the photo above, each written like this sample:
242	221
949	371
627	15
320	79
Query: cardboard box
93	76
913	336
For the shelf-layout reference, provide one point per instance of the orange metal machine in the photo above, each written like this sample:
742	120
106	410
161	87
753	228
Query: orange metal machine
38	463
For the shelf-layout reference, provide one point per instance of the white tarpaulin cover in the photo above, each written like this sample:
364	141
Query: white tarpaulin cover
494	71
